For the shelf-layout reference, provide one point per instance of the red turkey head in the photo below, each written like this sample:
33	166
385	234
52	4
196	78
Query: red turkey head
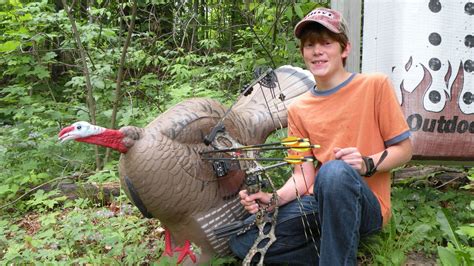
85	132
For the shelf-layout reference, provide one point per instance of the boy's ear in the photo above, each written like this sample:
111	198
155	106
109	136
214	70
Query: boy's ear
347	50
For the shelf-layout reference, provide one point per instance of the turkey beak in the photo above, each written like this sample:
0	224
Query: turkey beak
65	134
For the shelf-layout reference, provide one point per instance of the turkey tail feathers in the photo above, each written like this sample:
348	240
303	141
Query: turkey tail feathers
291	82
266	108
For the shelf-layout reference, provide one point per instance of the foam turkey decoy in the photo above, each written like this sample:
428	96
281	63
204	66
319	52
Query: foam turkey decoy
161	169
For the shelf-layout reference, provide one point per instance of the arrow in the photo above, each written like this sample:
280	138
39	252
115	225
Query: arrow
291	159
305	147
293	143
300	148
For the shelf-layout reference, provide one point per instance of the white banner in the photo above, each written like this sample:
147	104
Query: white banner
426	47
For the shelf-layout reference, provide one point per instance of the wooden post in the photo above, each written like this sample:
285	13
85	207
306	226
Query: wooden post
352	12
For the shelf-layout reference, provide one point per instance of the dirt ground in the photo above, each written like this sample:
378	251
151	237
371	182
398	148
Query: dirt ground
419	259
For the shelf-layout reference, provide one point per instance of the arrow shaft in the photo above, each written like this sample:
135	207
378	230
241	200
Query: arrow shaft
286	159
263	147
244	159
283	148
262	169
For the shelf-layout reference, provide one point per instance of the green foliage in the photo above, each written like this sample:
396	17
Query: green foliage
80	236
212	76
390	246
459	250
22	157
42	201
108	174
470	176
414	224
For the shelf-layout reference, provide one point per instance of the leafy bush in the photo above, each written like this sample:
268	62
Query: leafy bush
459	250
414	226
82	236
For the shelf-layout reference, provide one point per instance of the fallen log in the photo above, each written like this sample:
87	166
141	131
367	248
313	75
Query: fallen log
72	187
431	175
101	193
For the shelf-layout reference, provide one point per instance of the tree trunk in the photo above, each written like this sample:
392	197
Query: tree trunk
85	70
118	88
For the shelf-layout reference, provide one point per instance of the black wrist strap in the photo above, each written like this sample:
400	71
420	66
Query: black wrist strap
369	164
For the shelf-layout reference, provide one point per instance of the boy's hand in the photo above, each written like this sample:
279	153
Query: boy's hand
253	202
352	157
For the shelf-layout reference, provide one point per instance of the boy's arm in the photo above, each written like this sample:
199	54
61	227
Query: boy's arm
397	154
303	176
302	180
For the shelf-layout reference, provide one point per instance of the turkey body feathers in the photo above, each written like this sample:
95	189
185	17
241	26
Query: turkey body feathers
172	181
166	163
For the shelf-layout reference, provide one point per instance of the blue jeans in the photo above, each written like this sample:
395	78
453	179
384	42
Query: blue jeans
323	228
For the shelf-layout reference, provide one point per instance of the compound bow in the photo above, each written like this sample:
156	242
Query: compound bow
255	175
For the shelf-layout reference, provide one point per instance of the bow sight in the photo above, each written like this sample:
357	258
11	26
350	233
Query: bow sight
255	183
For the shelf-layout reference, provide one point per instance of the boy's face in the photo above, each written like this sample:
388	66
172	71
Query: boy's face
324	57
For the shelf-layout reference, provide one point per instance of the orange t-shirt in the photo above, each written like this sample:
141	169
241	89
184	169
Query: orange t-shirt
361	112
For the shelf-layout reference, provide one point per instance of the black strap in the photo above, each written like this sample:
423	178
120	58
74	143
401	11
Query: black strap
369	164
136	199
382	157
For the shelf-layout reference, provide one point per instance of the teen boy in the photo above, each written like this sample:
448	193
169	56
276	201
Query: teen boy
357	121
